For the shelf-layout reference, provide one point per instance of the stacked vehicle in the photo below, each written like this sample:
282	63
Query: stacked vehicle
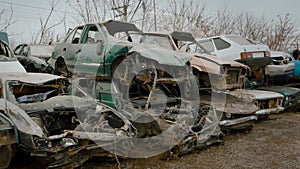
266	68
121	92
237	108
34	57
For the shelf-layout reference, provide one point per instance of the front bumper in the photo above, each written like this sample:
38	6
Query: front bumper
240	123
269	111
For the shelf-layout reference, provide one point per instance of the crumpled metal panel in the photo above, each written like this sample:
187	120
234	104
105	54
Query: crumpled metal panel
34	78
256	94
22	121
162	56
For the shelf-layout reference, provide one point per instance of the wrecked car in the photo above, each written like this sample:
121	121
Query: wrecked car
153	128
8	61
214	75
19	90
281	69
246	51
33	57
93	50
42	120
40	51
268	102
291	96
258	97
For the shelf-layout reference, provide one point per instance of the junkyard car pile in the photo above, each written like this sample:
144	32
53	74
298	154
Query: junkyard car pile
112	90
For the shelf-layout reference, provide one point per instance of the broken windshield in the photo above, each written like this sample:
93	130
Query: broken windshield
157	40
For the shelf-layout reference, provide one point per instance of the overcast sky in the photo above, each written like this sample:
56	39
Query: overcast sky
27	17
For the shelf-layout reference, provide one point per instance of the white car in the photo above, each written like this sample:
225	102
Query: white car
282	66
234	47
243	50
36	50
8	61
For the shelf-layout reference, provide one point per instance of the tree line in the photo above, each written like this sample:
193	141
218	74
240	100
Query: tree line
279	33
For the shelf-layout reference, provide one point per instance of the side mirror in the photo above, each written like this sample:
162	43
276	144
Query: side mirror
100	47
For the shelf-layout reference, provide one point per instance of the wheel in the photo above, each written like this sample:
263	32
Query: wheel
120	71
5	156
190	88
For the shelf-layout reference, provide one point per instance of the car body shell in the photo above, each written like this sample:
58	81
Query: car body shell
291	95
220	78
282	68
8	61
97	58
268	102
233	50
33	57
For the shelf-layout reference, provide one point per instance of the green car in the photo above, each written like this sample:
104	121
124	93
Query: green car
106	52
291	95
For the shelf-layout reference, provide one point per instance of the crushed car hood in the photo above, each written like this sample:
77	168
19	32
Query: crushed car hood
34	78
213	64
220	61
225	102
161	55
256	94
21	120
63	102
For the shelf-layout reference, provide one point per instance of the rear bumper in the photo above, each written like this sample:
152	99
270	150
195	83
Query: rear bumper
275	70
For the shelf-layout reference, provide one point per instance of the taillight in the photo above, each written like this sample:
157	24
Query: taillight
246	55
267	54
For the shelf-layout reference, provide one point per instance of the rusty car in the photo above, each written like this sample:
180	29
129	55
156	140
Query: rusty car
105	51
187	127
246	51
214	76
258	97
44	115
34	57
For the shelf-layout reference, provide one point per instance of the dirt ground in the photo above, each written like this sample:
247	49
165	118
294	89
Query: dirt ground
272	144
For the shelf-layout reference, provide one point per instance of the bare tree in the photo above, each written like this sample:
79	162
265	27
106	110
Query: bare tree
45	33
284	33
6	18
188	16
90	10
251	27
223	22
99	10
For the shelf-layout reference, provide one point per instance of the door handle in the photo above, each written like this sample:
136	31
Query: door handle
78	51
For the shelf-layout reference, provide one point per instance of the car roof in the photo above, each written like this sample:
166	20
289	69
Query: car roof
181	36
114	26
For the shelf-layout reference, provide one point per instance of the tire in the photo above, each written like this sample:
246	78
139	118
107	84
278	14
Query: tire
190	89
